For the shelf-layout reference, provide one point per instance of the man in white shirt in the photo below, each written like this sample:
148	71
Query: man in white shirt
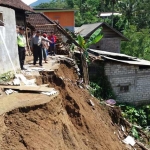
37	47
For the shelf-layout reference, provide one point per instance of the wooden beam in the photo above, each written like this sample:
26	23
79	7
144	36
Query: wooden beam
45	25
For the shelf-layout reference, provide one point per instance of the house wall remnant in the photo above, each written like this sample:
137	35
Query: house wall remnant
131	83
9	35
108	44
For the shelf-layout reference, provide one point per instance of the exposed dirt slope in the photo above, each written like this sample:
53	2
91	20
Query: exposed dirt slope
68	122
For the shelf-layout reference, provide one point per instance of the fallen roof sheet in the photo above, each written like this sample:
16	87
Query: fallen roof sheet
111	53
111	56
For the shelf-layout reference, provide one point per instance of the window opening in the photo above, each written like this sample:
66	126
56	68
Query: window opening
124	89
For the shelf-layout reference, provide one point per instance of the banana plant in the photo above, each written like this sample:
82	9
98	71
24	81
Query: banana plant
94	38
84	45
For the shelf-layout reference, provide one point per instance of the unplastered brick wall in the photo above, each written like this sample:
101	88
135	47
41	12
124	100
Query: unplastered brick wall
130	83
108	44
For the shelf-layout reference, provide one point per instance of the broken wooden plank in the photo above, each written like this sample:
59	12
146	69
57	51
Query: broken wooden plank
29	88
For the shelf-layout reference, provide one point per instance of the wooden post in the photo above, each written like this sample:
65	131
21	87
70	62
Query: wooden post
85	69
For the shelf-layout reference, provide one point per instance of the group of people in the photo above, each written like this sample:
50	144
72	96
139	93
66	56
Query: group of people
41	45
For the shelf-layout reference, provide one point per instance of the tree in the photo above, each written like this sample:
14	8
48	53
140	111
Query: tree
139	45
54	4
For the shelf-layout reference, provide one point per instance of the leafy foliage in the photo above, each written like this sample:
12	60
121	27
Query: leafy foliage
135	115
94	38
139	43
95	90
100	80
6	76
134	133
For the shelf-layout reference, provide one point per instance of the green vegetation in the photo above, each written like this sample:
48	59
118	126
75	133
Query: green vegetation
94	38
134	22
134	133
139	115
100	86
139	45
6	76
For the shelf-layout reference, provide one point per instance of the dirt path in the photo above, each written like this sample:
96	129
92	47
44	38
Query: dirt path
17	100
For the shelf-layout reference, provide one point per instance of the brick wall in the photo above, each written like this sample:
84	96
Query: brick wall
129	83
108	44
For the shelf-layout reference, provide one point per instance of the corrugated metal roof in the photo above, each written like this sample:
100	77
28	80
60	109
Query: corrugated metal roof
110	53
120	57
16	4
87	29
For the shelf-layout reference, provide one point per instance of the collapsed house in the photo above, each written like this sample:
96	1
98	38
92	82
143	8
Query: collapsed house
129	76
39	21
111	40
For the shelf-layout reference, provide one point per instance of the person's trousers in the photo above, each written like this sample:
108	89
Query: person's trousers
21	52
37	53
52	49
44	51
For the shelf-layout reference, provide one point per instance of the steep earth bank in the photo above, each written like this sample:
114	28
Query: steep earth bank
67	122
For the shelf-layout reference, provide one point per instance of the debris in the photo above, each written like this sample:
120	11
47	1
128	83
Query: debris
129	140
80	87
141	145
90	102
122	128
44	85
111	101
80	81
49	93
16	81
37	69
9	91
25	80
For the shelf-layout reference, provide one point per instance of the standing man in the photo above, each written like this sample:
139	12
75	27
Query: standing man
45	46
37	47
21	41
52	37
